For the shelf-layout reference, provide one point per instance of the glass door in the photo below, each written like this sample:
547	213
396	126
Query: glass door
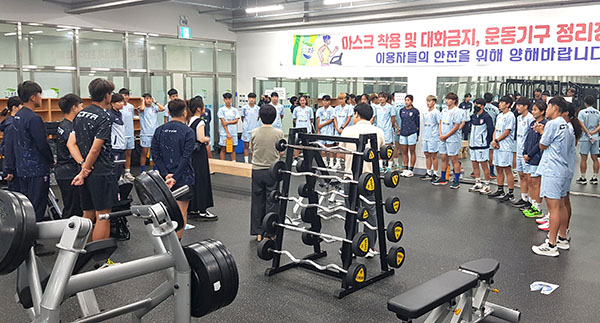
204	86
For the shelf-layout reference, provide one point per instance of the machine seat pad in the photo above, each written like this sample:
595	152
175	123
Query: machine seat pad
486	268
98	251
422	299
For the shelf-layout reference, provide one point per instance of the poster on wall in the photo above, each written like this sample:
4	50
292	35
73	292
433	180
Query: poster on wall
535	41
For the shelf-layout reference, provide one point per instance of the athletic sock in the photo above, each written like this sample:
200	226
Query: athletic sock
478	181
443	175
411	168
457	177
127	171
511	190
501	188
492	169
551	245
381	164
143	169
525	197
331	161
429	172
390	164
246	159
595	175
486	183
435	172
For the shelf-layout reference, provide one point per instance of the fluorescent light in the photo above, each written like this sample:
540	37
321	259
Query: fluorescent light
153	35
65	68
332	2
103	30
67	27
30	66
10	34
34	24
140	34
103	69
264	9
138	70
36	32
262	78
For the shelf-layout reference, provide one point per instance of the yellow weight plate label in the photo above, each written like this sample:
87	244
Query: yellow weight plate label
395	179
396	206
370	184
397	232
371	155
365	214
364	245
399	258
360	276
389	153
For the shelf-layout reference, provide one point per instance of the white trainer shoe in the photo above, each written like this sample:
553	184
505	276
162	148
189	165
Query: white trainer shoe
129	177
543	220
544	227
476	188
545	250
485	190
409	173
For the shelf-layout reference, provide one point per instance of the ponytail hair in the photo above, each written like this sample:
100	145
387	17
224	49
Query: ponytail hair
574	122
14	101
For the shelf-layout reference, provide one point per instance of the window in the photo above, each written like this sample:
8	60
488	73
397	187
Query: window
54	84
48	46
202	57
8	84
8	43
100	49
224	61
137	53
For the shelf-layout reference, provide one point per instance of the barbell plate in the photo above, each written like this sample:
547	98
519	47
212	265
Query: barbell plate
309	215
391	179
309	239
233	269
392	204
264	249
395	257
361	244
274	196
356	275
366	184
227	274
394	231
276	168
304	190
269	222
363	213
369	155
206	279
152	189
18	230
281	145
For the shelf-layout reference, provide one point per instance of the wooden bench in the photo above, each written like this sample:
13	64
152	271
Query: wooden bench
230	168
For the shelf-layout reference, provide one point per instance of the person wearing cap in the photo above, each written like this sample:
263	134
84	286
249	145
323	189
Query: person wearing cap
467	107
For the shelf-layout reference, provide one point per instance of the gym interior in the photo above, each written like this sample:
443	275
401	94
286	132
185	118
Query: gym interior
372	242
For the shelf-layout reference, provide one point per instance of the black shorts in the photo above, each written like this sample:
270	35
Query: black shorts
187	196
99	193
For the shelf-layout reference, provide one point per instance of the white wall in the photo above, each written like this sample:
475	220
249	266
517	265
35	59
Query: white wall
161	18
270	54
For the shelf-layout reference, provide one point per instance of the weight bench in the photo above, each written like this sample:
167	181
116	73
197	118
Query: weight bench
462	293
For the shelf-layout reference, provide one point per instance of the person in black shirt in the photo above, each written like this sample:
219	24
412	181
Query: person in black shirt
467	105
172	147
9	137
91	138
66	167
33	156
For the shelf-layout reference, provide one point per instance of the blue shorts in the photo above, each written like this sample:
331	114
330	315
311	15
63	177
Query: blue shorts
585	147
146	141
530	169
553	187
129	143
223	141
389	137
408	140
522	166
480	155
566	188
503	158
450	148
431	146
246	136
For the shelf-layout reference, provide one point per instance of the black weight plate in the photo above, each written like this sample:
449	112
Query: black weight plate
274	196
263	251
396	257
205	273
368	155
304	190
233	268
356	275
281	145
392	204
309	239
276	168
309	215
366	184
20	212
151	189
361	243
394	231
268	224
225	282
11	230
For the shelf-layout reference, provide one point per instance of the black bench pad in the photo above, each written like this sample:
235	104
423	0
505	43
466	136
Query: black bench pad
431	294
486	268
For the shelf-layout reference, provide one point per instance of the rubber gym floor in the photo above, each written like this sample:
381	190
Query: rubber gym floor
443	228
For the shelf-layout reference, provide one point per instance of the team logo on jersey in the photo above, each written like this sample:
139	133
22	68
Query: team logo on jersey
480	121
410	114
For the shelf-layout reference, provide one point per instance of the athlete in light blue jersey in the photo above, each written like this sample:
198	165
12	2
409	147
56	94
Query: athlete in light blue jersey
588	144
303	118
127	114
228	125
325	125
343	119
250	122
431	138
148	116
384	116
523	121
503	142
279	108
493	112
450	139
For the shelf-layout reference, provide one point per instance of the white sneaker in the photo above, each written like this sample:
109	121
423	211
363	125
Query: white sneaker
545	250
476	188
561	244
337	166
410	173
372	253
545	226
543	220
485	190
129	177
294	163
403	173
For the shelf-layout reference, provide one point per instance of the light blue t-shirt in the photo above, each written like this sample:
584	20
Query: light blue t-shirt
556	157
325	115
160	116
350	111
492	110
572	143
590	118
431	123
383	120
127	115
304	117
250	115
522	130
229	114
341	115
148	120
506	121
277	123
449	118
